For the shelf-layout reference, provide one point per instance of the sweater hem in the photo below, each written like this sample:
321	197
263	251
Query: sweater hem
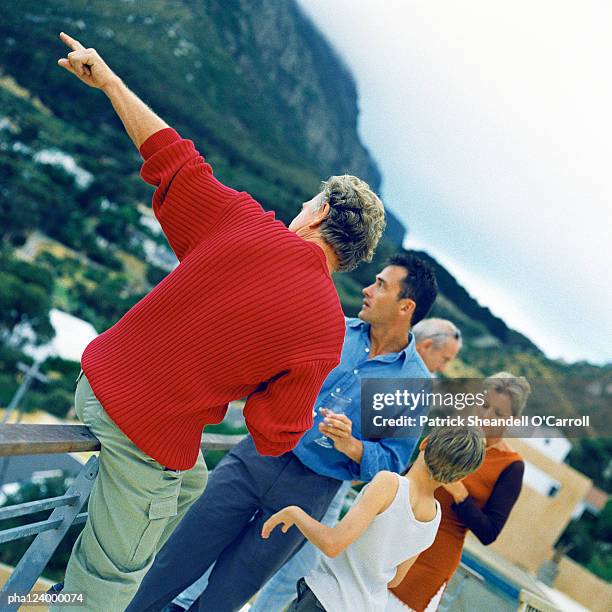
264	447
184	459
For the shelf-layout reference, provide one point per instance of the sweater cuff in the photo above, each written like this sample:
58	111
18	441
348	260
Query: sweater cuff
274	449
468	502
158	141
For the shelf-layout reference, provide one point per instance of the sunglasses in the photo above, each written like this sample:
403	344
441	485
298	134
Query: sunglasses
456	335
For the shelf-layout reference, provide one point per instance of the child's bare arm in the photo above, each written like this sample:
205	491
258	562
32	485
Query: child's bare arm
333	540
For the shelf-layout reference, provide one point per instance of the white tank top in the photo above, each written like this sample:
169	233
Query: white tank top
356	580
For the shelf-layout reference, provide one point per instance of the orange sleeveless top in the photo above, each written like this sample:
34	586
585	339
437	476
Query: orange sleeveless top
436	565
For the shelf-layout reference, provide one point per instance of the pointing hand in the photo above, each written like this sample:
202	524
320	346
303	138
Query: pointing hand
86	64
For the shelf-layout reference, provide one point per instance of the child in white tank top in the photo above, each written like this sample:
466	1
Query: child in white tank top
394	518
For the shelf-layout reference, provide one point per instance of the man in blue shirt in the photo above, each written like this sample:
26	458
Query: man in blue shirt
223	527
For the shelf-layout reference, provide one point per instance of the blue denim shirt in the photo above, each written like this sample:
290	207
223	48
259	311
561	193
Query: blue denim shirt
345	379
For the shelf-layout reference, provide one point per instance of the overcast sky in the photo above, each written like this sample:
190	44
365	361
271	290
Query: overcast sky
491	123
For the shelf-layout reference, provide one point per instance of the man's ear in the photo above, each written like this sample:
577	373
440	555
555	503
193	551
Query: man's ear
425	344
407	307
320	215
423	443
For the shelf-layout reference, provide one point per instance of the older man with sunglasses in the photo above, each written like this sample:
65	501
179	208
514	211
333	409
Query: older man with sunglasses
438	342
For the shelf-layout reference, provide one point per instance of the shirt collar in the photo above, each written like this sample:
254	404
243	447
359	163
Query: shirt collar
354	322
406	352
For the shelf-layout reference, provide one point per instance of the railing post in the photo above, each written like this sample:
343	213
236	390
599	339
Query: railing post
43	439
34	561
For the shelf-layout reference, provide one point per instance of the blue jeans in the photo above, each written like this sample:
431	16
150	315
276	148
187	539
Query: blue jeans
279	591
224	527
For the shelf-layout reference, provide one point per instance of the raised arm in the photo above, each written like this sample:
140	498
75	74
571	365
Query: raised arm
188	201
375	498
139	120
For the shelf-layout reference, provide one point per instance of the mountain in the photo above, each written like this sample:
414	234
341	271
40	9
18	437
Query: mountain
253	83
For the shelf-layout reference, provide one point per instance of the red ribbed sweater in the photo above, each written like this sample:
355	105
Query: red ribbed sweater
250	310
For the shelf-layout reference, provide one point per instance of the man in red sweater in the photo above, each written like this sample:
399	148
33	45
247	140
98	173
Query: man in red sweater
250	311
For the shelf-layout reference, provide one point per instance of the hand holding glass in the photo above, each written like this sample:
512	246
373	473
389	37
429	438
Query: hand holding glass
338	405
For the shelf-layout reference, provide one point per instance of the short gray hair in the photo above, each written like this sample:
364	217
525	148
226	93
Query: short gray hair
439	330
453	452
355	222
515	387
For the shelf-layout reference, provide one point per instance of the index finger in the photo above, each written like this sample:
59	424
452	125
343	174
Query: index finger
74	44
330	414
340	417
266	529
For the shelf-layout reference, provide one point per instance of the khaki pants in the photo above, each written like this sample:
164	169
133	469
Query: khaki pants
133	508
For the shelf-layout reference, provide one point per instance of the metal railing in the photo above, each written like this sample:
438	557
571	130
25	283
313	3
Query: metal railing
463	574
530	602
65	509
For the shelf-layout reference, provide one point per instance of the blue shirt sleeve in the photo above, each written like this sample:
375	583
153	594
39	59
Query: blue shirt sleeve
391	454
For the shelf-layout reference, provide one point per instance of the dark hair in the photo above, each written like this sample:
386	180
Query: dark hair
419	284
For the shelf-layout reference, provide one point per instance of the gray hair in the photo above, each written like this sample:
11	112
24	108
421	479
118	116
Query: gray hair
515	387
439	330
355	222
452	452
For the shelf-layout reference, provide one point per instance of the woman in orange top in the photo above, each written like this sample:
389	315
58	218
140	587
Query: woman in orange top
480	503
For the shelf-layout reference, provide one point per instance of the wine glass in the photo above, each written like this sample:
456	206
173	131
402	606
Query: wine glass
338	405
